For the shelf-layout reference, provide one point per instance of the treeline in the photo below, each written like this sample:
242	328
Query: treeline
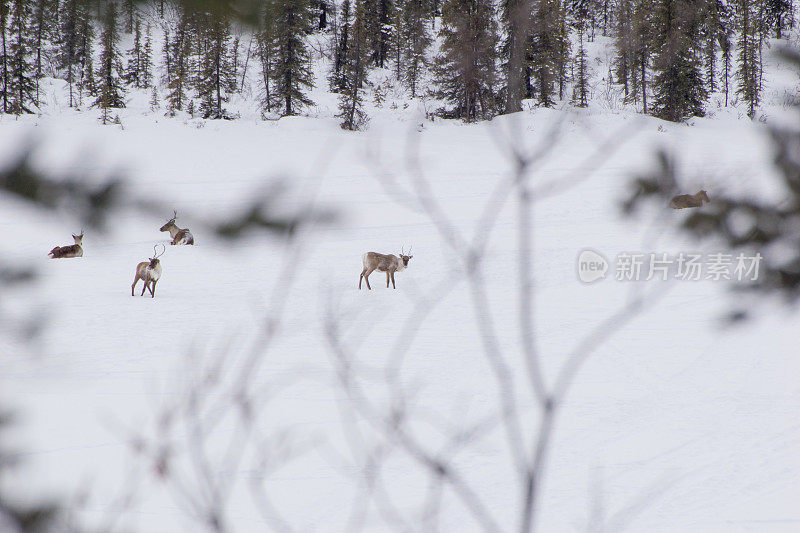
670	55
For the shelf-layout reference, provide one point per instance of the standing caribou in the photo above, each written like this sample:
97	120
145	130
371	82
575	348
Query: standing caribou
149	272
383	263
73	250
682	201
179	236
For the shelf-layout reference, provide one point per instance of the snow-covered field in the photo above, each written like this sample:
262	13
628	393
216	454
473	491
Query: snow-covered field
675	423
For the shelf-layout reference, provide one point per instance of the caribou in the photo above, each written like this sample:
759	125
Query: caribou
682	201
73	250
149	272
179	236
383	263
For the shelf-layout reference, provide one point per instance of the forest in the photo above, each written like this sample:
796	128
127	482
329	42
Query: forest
478	58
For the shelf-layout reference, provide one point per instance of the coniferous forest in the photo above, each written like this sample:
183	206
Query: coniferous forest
475	58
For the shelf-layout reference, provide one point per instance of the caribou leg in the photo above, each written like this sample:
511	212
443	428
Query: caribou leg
387	279
153	289
135	281
387	284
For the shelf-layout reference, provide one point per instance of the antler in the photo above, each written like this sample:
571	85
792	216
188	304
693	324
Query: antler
402	252
156	255
174	214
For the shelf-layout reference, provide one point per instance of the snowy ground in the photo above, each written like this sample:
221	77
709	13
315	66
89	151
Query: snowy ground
675	424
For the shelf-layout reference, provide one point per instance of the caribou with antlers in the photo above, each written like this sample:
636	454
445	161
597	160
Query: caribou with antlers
179	236
149	272
383	263
73	250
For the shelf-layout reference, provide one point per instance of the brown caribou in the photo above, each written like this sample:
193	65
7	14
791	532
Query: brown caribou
179	236
682	201
150	272
383	263
73	250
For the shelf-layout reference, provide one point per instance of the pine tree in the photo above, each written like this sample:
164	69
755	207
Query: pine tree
21	85
4	59
354	73
417	39
678	83
749	54
292	74
110	87
465	68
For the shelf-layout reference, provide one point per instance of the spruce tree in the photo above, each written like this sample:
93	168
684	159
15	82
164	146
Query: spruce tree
176	50
83	52
563	46
643	46
133	72
417	39
43	22
292	75
354	73
129	15
266	40
725	45
146	60
678	84
110	90
68	43
465	67
216	77
749	54
543	49
380	29
4	59
581	89
516	19
340	54
624	46
21	85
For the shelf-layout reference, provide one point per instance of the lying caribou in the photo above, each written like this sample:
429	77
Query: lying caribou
682	201
383	263
73	250
179	236
149	272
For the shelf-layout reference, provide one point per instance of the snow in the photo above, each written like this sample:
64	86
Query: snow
675	423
